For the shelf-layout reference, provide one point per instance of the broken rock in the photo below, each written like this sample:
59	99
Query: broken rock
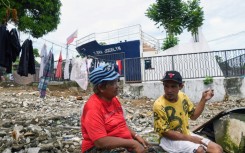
230	133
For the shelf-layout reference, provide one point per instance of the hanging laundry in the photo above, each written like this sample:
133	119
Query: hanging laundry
27	60
43	60
73	69
9	47
79	72
4	46
47	74
115	67
66	69
92	66
58	73
119	64
89	64
14	44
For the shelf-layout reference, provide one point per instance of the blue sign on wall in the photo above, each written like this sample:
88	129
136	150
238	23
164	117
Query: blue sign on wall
131	49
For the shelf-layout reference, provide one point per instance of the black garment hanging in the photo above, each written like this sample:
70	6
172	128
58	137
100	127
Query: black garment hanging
27	60
9	47
4	36
14	44
13	49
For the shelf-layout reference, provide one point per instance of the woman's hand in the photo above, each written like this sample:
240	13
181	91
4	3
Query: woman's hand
142	141
138	148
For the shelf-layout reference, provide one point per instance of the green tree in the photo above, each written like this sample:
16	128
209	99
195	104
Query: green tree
194	17
167	13
169	42
174	16
37	17
36	53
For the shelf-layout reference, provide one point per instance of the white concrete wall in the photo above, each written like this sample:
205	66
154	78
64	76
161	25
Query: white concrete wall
194	89
233	87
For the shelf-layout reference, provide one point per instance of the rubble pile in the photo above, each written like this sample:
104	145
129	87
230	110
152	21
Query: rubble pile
29	124
212	109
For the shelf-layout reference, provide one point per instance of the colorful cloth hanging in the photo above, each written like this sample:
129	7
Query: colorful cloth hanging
66	69
47	74
58	73
43	60
119	64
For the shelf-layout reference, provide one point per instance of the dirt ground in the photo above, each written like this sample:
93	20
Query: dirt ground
63	91
22	105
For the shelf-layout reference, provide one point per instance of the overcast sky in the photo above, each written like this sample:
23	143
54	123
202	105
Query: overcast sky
222	18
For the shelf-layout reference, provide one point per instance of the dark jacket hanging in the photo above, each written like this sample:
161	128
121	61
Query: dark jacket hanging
27	61
14	44
9	47
4	35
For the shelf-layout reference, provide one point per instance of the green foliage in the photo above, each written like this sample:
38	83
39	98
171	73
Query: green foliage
35	17
102	43
169	42
208	80
176	15
35	52
193	17
167	13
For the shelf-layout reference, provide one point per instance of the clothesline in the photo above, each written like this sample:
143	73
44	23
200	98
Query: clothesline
83	55
70	50
89	56
53	43
62	47
57	45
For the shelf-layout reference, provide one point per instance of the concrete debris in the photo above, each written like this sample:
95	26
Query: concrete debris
230	132
29	124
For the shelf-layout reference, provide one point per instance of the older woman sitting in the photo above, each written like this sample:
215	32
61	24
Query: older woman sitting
103	125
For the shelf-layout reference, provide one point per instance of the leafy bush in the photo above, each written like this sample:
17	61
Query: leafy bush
208	80
169	42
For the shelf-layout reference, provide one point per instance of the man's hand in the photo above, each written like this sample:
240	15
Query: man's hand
208	94
196	139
